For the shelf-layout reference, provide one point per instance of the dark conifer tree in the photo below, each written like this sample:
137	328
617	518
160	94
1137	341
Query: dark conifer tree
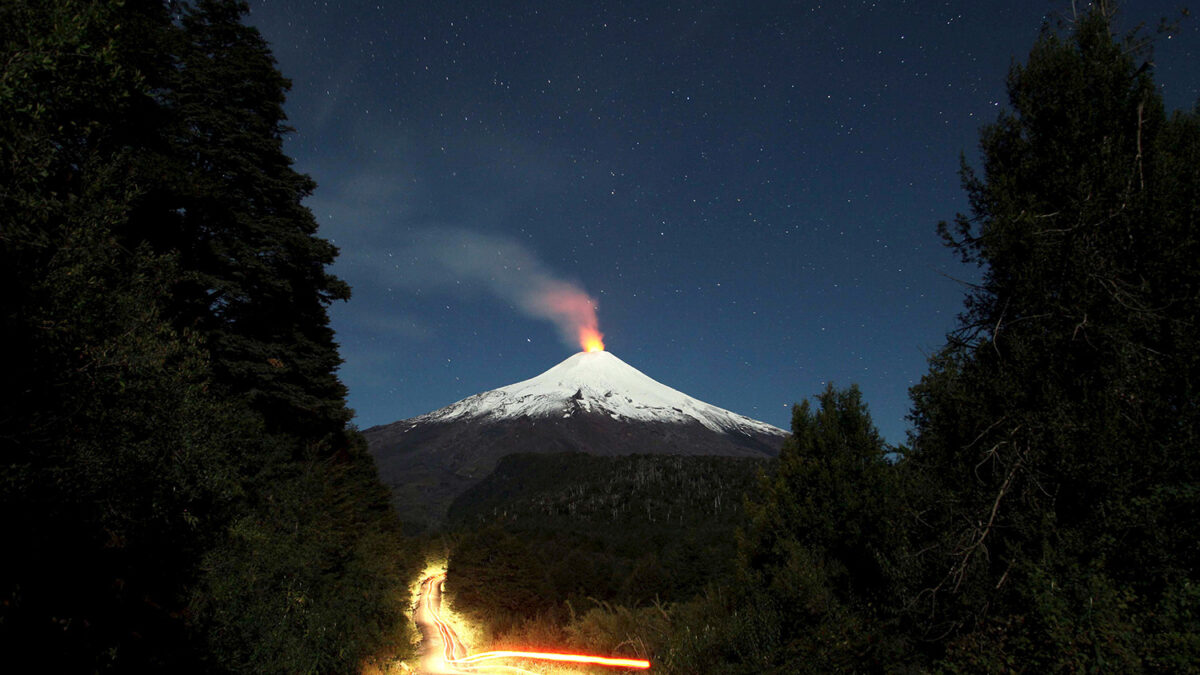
177	487
115	462
820	540
1057	431
257	286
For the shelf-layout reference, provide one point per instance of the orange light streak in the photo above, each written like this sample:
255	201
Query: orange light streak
452	646
508	669
551	656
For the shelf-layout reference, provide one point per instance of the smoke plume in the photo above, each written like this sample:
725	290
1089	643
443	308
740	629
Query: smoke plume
468	260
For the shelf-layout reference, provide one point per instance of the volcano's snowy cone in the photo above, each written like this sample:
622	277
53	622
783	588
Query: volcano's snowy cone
592	402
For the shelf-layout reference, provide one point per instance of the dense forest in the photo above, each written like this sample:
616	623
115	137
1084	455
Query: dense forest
180	489
1044	514
548	534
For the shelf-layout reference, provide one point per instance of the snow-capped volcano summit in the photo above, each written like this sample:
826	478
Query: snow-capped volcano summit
592	402
597	382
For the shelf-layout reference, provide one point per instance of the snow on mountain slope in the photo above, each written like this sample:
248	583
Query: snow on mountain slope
596	382
591	403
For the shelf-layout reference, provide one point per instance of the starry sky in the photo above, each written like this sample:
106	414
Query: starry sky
748	190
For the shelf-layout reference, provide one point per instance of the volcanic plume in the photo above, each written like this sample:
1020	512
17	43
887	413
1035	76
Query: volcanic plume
463	259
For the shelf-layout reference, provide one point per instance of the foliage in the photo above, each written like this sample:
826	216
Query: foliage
1056	432
317	553
256	283
159	495
615	493
820	541
546	536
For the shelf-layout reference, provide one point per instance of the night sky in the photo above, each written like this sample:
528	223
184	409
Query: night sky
748	190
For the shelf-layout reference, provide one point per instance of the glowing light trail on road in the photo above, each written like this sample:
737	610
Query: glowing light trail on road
551	656
453	646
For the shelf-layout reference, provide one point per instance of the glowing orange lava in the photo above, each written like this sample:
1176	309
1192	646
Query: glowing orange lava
591	340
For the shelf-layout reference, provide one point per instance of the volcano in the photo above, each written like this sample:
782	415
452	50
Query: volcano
593	402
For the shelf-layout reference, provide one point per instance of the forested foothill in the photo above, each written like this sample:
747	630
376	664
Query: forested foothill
546	535
180	489
1044	514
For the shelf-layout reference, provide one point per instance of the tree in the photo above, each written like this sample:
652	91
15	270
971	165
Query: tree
116	463
820	542
312	573
255	282
178	489
1056	432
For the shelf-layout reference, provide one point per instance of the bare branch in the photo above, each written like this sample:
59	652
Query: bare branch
996	329
993	425
960	573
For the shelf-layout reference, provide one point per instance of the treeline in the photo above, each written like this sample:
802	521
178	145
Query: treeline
180	490
1044	515
612	494
547	536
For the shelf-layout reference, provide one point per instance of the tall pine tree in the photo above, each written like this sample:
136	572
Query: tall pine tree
256	284
178	490
820	541
1057	431
117	466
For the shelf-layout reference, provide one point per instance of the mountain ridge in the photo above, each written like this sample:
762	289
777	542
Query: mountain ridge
591	402
616	388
